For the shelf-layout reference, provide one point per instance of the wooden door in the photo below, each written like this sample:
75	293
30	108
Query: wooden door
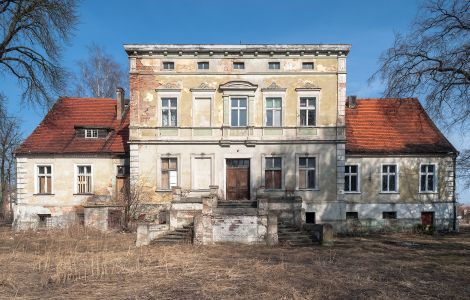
238	179
427	218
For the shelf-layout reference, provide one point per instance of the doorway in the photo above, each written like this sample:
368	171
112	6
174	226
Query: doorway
238	179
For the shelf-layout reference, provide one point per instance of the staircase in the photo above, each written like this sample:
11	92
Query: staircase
239	207
291	236
179	235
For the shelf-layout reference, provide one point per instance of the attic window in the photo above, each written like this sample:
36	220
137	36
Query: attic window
91	133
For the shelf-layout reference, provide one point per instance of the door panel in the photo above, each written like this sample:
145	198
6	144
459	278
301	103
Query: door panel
238	179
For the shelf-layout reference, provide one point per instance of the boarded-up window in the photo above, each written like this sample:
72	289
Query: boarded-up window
307	176
202	112
273	173
169	173
84	180
202	171
44	179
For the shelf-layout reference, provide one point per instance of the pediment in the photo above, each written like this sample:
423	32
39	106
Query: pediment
238	85
273	87
168	86
203	87
308	86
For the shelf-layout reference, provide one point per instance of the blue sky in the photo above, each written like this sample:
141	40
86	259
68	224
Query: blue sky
369	25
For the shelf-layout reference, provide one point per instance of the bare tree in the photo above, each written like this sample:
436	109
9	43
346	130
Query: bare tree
31	37
463	167
99	75
10	138
133	195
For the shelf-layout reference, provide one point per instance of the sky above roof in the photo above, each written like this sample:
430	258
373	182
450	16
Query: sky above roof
369	25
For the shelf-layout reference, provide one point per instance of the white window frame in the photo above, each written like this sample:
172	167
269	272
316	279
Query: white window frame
427	173
91	133
297	171
168	93
308	94
283	166
358	174
36	178
397	178
75	181
238	109
169	109
273	109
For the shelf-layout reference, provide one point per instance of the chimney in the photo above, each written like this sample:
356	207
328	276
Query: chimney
120	103
352	101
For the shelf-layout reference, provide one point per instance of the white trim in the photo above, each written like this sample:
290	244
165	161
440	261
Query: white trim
358	178
75	182
36	182
168	94
317	171
397	178
436	182
308	94
246	98
274	94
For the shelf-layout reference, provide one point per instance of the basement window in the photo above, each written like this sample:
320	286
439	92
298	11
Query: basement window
389	215
45	221
168	65
310	217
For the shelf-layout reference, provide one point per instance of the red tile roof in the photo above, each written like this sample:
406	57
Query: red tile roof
56	133
392	126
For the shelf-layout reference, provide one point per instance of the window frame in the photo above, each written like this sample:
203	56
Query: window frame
435	177
304	63
238	109
397	178
36	179
238	63
160	186
307	109
269	97
316	168
93	133
265	169
169	109
203	63
350	213
168	63
76	166
358	174
274	63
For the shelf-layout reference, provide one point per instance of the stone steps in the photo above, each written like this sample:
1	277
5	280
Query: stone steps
237	204
179	235
236	211
290	235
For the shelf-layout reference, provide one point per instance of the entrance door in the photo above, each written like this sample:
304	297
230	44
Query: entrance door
427	218
238	179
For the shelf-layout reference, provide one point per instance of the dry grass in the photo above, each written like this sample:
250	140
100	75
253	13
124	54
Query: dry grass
79	263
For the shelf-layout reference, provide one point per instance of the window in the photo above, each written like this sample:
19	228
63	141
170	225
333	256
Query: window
169	111
45	221
274	112
122	171
44	180
307	65
239	65
310	217
168	65
91	133
427	178
389	178
308	111
238	111
307	172
273	173
274	65
203	65
169	173
84	180
351	178
352	215
389	215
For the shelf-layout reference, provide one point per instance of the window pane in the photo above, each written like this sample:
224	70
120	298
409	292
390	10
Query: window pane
303	102
302	179
392	168
269	182
277	180
42	184
173	117
430	183
165	102
311	179
346	169
353	169
172	163
165	163
277	162
165	118
423	183
431	168
302	162
173	178
242	103
423	168
311	162
392	183
242	118
269	102
276	118
234	103
303	117
234	117
311	102
354	183
173	102
165	180
384	183
269	163
311	117
48	184
269	118
346	184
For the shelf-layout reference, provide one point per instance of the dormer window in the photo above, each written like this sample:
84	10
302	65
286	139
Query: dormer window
91	133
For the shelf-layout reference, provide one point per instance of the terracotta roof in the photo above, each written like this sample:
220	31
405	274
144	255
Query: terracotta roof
392	126
56	133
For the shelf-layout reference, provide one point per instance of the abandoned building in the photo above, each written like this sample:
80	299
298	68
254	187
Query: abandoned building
235	140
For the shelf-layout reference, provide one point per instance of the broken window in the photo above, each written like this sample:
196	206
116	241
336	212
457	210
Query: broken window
169	173
308	111
274	65
203	65
310	217
307	65
427	178
273	173
168	65
351	178
169	112
307	173
239	65
84	180
389	215
389	178
45	221
238	111
274	112
44	180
